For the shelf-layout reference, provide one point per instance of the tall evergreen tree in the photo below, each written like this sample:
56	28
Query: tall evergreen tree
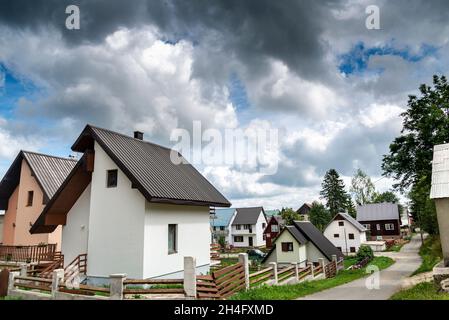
333	191
319	216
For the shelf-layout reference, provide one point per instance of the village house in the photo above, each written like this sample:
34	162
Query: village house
382	220
247	227
275	224
31	180
219	224
304	211
301	243
345	233
131	209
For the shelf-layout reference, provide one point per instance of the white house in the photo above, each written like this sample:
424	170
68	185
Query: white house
345	233
131	209
301	243
246	227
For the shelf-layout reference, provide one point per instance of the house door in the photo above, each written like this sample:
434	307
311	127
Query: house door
250	241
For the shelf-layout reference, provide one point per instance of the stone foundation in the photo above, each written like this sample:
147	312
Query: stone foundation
440	273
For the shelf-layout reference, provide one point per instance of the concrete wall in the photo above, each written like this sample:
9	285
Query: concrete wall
343	240
313	254
76	231
442	206
116	223
193	238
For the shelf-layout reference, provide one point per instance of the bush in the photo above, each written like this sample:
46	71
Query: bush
364	252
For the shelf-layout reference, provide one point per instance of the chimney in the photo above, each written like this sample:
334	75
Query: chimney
138	135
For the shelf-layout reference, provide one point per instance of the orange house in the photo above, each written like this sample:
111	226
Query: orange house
27	186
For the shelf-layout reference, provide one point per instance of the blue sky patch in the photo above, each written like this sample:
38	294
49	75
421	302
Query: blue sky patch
356	60
237	93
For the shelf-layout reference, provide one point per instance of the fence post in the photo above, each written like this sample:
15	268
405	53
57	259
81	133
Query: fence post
296	265
57	276
116	286
11	279
243	259
312	269
190	277
334	259
275	272
321	262
23	270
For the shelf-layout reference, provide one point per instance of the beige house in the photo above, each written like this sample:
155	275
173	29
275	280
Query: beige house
26	187
301	243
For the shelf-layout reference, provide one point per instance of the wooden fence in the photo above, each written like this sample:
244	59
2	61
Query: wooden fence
222	283
27	253
154	286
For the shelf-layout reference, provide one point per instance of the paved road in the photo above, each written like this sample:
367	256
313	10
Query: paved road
407	261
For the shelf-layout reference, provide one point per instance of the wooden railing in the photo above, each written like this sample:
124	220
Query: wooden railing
156	286
58	263
261	277
285	273
215	251
222	283
79	264
33	283
27	253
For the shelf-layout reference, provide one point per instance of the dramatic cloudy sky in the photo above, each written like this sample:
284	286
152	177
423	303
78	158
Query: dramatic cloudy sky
309	69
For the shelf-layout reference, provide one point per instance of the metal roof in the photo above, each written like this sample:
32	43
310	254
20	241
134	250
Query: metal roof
351	220
378	211
49	171
440	172
151	170
221	217
297	234
247	215
315	236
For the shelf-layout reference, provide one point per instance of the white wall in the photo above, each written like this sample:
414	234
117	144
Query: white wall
296	256
75	232
257	232
314	254
193	237
343	232
116	224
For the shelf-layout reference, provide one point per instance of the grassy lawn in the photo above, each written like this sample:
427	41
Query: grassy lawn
288	292
349	261
431	254
422	291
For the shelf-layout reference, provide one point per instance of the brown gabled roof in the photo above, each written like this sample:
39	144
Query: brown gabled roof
151	170
147	165
49	171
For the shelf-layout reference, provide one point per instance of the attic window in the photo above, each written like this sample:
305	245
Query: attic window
287	246
30	198
341	223
111	179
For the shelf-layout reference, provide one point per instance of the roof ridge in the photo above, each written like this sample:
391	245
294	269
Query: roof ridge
129	137
48	155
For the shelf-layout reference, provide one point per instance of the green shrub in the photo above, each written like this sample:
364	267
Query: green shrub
364	252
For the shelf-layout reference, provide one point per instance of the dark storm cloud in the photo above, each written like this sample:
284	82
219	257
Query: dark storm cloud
249	30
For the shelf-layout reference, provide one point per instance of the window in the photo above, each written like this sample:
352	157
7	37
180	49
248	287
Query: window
352	249
336	235
389	226
238	238
264	225
287	246
238	227
351	236
264	237
367	226
246	226
378	227
172	238
341	223
222	228
111	179
339	248
274	228
30	198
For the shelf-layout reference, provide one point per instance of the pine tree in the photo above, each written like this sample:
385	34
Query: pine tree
333	191
319	216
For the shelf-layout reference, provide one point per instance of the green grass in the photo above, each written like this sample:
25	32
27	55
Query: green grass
10	298
349	261
288	292
422	291
430	253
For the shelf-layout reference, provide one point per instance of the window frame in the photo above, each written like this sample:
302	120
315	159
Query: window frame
287	246
341	223
30	198
239	237
173	250
351	236
389	227
336	235
110	185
